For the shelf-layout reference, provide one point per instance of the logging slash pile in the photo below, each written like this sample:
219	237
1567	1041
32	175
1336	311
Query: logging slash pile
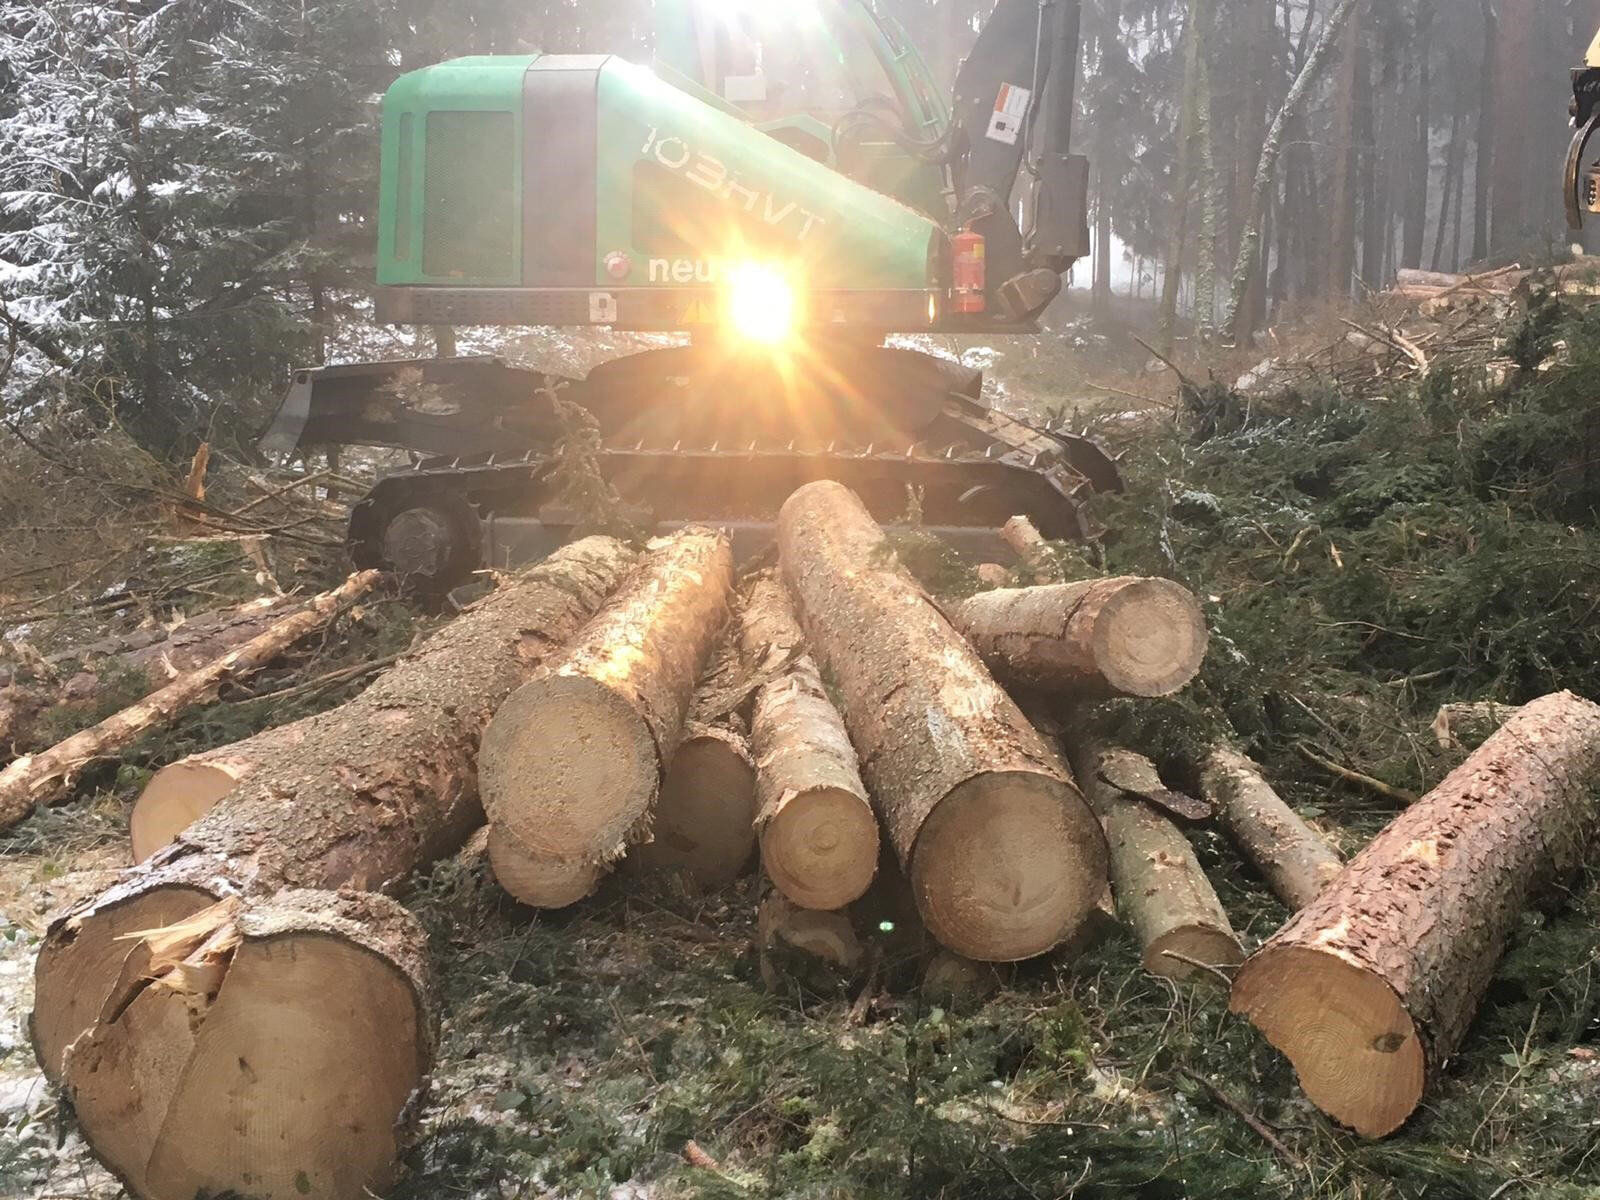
655	874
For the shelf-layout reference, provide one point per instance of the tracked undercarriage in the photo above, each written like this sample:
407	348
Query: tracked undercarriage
682	434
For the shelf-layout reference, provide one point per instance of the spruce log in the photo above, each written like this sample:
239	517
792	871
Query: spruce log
1004	856
819	837
705	819
1290	855
1094	640
47	776
1370	989
269	1047
572	762
355	797
1162	894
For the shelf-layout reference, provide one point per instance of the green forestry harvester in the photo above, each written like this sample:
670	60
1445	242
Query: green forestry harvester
787	186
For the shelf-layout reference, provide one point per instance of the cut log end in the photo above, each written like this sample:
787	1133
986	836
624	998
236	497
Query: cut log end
705	818
584	752
1352	1043
176	797
234	1034
1150	638
538	881
1185	953
821	849
1007	865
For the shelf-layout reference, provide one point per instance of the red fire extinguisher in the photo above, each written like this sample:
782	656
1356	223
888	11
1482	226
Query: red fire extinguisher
970	273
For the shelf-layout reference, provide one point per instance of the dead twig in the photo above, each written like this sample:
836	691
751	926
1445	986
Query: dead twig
1389	791
1259	1127
1210	968
342	675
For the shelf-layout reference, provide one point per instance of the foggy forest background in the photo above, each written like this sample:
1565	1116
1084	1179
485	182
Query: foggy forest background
187	187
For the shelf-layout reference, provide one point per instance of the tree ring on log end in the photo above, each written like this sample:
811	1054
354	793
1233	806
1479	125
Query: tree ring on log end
568	767
705	817
1150	638
537	880
177	796
821	849
1352	1043
1006	865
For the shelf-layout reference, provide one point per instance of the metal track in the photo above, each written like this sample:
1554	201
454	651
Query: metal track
907	427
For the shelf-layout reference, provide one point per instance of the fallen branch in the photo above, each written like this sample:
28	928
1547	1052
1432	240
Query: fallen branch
47	776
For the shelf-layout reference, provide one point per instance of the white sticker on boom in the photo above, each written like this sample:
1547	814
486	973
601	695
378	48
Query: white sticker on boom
602	308
1010	110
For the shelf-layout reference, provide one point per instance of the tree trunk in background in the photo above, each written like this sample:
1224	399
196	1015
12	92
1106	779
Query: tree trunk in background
1370	150
1455	160
1267	167
1188	124
1416	213
1516	123
1100	297
1258	111
1489	85
1342	234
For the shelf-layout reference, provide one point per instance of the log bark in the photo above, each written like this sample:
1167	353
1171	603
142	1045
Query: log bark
1290	855
273	1046
1370	989
572	763
1162	893
356	797
1003	855
705	819
818	834
1093	640
48	776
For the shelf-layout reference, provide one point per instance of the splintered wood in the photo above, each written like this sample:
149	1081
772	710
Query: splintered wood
271	1044
1004	856
1370	988
572	763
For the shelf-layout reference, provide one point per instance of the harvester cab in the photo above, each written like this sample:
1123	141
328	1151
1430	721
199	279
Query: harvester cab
785	186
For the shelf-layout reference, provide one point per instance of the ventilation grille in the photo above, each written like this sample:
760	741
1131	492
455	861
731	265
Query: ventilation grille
470	226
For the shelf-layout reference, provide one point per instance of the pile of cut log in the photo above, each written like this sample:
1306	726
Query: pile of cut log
248	1011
